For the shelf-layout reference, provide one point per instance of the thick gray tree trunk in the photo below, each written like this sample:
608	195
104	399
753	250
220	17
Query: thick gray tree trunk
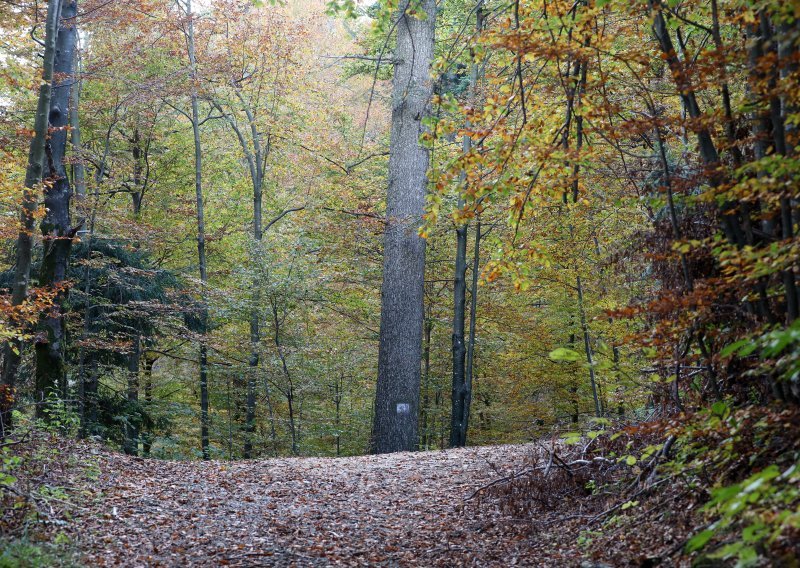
397	395
57	233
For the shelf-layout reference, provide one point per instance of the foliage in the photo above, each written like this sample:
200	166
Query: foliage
41	485
748	460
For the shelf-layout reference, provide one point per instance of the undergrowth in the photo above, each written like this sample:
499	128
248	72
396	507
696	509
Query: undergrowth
42	484
718	487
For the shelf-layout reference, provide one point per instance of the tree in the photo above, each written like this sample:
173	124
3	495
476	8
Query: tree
57	232
33	177
461	395
399	351
186	6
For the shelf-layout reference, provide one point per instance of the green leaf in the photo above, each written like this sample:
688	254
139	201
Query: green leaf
720	409
564	354
699	540
734	347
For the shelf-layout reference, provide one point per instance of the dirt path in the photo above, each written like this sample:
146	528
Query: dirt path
392	510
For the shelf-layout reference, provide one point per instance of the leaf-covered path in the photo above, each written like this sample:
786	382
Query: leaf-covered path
396	510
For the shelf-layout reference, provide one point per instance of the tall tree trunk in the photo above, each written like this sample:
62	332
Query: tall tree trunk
730	126
460	391
777	117
770	120
138	191
256	162
201	229
395	424
458	428
337	401
33	177
257	175
574	95
57	234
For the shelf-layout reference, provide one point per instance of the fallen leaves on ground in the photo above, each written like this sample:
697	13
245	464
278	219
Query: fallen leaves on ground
398	509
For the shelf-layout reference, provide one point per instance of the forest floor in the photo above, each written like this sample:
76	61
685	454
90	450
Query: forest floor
479	506
396	509
405	509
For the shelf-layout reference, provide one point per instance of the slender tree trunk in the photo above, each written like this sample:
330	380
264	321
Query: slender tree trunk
33	177
766	121
460	390
147	372
256	163
272	430
201	229
587	346
426	382
290	392
730	126
131	430
255	337
473	311
574	95
395	426
708	151
337	400
78	168
777	117
57	233
137	195
87	382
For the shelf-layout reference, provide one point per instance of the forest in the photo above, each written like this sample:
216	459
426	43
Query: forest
404	282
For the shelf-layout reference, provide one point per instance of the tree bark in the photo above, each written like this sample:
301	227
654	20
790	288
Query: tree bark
57	234
33	177
395	424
